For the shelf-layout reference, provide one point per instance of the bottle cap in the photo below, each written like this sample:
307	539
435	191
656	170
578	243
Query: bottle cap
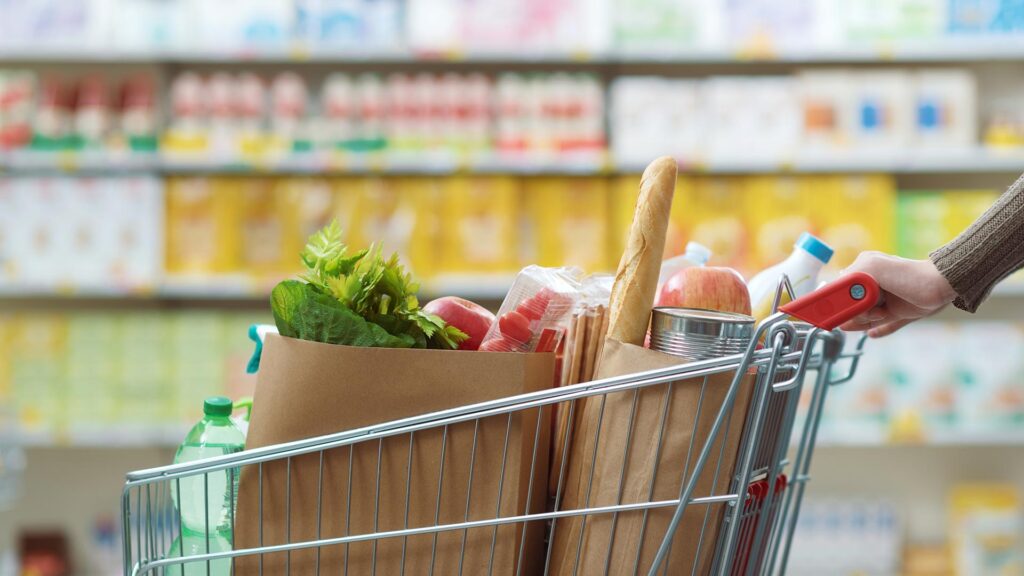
217	406
814	246
698	253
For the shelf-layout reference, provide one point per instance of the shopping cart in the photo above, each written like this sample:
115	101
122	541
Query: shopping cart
744	528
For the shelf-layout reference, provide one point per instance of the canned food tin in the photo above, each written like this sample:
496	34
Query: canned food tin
699	334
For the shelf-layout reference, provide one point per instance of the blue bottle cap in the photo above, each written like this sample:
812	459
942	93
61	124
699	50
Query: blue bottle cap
814	246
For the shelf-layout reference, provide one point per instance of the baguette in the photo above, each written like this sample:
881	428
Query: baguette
637	277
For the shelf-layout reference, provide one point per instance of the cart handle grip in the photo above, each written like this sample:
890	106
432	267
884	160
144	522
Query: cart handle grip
836	302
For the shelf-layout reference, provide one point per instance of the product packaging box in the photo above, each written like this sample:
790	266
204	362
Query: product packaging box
479	227
881	115
779	208
714	218
945	109
988	367
853	214
38	372
571	220
659	26
201	226
924	391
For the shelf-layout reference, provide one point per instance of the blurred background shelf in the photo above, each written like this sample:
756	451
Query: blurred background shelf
877	52
977	160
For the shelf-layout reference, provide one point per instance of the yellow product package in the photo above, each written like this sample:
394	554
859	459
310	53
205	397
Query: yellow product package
854	214
479	233
779	209
267	223
399	214
985	532
6	330
570	223
425	194
201	226
965	207
623	202
714	216
310	203
38	371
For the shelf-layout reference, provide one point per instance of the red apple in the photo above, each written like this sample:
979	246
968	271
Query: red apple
710	288
470	317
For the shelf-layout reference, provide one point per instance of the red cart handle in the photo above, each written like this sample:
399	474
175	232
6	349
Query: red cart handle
837	301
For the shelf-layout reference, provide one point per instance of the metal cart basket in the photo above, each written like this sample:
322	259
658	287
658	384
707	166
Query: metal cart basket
746	518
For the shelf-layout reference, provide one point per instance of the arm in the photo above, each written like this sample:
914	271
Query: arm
963	271
989	250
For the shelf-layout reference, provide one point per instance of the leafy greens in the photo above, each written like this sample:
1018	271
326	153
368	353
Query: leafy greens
356	299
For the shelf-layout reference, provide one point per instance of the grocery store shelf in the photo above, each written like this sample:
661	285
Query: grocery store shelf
966	161
961	50
113	437
331	163
952	439
977	160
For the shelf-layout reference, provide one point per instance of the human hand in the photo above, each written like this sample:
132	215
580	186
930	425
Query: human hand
911	290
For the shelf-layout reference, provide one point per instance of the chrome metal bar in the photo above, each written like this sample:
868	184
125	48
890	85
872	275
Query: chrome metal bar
261	515
714	482
747	460
274	549
654	467
288	516
319	509
501	488
408	495
469	495
561	477
348	503
529	489
437	502
622	478
727	403
376	503
590	483
689	454
811	428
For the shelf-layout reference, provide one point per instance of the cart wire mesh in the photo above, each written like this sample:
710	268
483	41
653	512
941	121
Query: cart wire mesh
692	469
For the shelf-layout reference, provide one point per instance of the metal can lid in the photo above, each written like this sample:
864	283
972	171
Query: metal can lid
704	322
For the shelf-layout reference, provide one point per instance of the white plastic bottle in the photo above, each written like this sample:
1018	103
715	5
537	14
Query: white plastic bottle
802	267
696	254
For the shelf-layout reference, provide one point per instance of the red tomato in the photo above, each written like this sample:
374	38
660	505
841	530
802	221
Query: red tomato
515	326
499	344
532	308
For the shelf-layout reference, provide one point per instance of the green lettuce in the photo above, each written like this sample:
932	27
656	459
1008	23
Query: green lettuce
356	299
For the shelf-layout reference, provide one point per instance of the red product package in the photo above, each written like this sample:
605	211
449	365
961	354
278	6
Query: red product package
536	311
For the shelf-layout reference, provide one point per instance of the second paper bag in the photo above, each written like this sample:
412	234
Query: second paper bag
639	446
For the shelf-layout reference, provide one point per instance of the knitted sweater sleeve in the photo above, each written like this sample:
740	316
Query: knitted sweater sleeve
989	250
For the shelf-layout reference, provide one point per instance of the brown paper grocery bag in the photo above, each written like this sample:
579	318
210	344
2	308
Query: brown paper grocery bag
307	389
626	543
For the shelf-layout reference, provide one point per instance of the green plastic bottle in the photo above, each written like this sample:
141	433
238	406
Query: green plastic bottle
206	502
195	545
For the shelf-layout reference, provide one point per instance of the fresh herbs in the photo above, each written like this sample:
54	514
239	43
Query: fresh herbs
356	299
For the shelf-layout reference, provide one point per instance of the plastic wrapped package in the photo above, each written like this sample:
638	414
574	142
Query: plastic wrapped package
536	311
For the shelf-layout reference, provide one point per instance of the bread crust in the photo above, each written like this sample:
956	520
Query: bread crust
636	280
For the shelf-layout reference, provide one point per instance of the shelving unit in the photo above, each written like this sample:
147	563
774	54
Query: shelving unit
962	50
979	160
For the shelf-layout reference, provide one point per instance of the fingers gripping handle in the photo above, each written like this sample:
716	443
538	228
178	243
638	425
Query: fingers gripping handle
837	301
